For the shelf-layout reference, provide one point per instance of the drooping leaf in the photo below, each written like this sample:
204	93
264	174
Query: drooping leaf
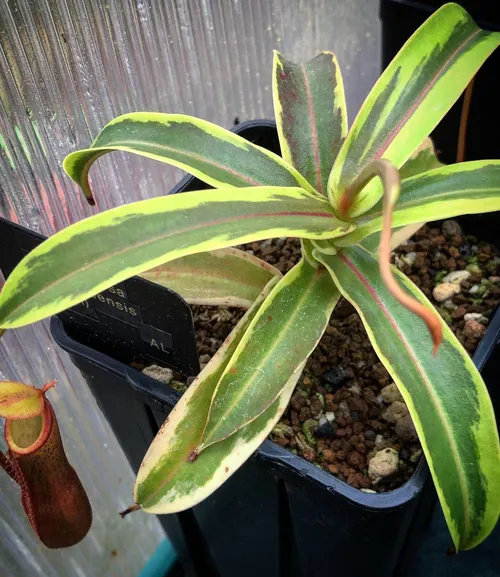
280	338
195	481
219	277
52	495
100	251
413	94
464	188
211	153
20	401
310	110
169	480
446	397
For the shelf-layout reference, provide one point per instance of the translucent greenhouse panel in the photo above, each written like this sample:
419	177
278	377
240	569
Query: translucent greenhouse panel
68	67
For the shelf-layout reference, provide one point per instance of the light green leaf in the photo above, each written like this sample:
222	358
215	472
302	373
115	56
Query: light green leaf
211	153
103	250
168	481
464	188
413	94
218	277
311	115
445	394
280	338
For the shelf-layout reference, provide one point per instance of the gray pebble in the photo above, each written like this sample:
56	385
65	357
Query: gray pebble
384	464
161	374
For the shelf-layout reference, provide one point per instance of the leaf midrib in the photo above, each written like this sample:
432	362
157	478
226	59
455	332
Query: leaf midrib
127	146
189	272
314	131
419	203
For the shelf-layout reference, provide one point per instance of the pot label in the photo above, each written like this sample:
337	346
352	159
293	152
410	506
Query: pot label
134	322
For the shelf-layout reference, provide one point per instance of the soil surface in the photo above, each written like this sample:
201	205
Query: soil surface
346	415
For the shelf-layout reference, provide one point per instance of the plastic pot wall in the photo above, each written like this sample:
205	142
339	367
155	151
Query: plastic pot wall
278	515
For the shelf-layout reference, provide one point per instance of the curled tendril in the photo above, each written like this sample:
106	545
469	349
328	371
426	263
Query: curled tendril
390	178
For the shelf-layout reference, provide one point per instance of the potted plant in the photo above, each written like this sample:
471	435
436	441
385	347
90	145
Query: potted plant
325	190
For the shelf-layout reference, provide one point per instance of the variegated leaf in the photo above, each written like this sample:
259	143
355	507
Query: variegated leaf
211	153
169	480
464	188
446	397
311	115
280	338
227	276
101	251
413	94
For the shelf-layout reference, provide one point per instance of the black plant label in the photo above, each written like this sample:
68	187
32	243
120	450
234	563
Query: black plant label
135	322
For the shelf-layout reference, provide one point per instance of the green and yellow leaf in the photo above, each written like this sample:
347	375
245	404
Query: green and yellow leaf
98	252
310	110
280	338
169	480
447	399
20	401
413	94
211	153
422	160
219	277
464	188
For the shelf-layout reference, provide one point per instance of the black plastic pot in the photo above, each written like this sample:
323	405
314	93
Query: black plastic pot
278	515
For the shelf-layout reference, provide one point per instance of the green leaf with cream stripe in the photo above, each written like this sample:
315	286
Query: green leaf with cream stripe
168	481
413	94
310	110
98	252
211	153
445	394
280	338
422	160
464	188
227	276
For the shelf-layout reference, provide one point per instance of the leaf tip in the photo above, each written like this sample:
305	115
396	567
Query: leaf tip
436	331
194	455
131	509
